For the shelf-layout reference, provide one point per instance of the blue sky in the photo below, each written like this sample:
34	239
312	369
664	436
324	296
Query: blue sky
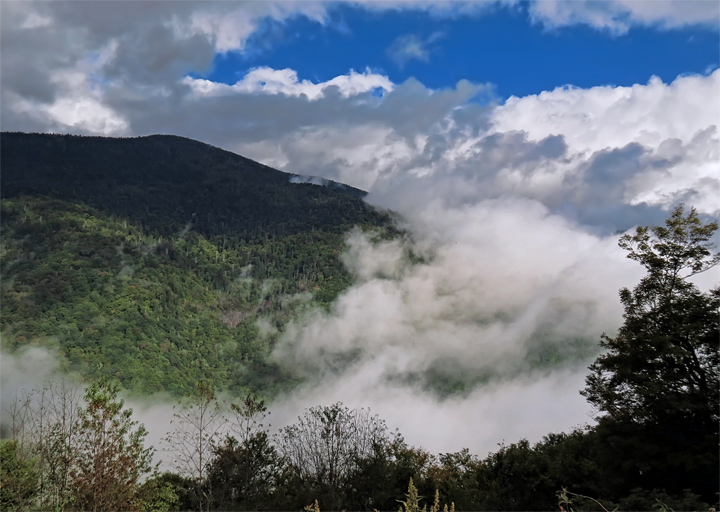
501	46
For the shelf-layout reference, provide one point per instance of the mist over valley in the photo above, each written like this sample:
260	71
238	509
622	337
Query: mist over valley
469	243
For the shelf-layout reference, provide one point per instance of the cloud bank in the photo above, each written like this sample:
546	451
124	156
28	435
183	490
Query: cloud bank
618	16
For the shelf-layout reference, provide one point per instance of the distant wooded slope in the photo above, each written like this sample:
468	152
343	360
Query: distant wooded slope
151	259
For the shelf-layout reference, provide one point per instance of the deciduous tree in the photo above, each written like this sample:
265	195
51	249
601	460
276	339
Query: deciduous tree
43	424
245	469
657	384
197	433
326	444
109	455
18	478
664	359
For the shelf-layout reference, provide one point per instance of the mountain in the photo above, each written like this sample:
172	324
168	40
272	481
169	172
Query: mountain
166	181
162	261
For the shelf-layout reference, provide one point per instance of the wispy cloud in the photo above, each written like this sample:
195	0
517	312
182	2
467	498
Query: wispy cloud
411	47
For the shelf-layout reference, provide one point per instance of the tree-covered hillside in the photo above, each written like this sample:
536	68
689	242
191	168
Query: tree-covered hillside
654	446
151	259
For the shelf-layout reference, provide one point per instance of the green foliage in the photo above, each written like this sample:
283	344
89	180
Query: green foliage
655	499
412	500
658	382
240	473
150	260
656	385
167	490
156	494
66	457
315	507
517	477
453	475
664	360
570	502
147	311
382	475
244	475
19	480
43	424
164	182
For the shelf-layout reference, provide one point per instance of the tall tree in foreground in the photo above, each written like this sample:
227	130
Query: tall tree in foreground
245	469
43	425
325	446
110	458
657	383
197	432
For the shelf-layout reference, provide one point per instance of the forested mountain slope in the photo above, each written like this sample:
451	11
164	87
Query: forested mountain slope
151	259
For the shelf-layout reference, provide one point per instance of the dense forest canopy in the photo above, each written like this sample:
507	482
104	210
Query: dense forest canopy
164	182
150	259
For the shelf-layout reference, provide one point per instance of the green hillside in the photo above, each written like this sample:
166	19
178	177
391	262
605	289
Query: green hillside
151	259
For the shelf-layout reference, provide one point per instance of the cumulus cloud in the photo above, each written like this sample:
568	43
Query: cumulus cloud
671	130
513	210
607	156
63	62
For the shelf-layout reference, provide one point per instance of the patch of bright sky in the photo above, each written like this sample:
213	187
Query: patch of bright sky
500	46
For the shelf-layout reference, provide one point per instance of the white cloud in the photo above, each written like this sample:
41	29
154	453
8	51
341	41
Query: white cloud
77	102
86	115
528	407
591	153
614	16
512	208
675	124
230	25
610	116
618	16
285	81
498	274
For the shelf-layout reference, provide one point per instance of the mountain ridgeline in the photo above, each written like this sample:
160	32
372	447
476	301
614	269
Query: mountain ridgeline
162	261
164	182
